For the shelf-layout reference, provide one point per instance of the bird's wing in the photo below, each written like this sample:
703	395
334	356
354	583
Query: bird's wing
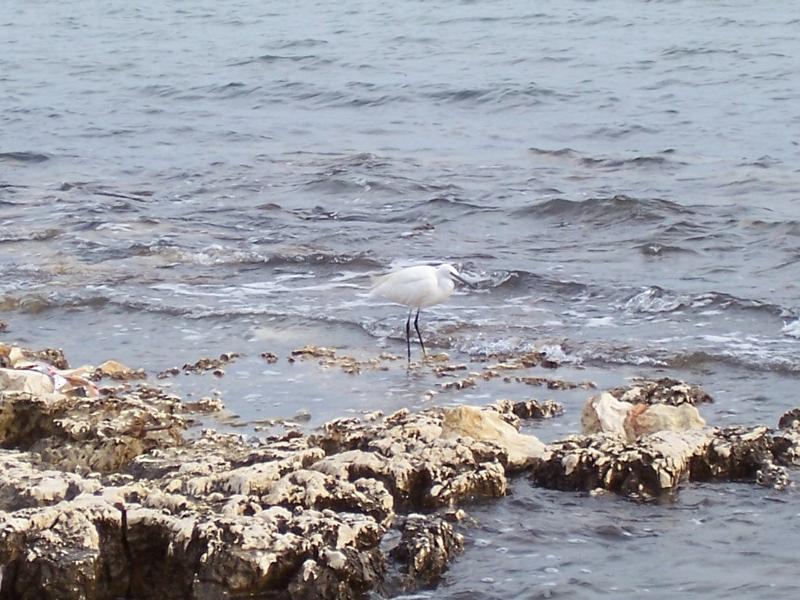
408	276
378	279
412	287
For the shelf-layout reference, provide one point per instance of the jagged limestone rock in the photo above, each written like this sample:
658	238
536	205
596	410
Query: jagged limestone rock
654	465
426	548
26	381
306	516
790	419
661	391
514	412
101	433
421	467
489	426
649	468
58	552
604	413
23	484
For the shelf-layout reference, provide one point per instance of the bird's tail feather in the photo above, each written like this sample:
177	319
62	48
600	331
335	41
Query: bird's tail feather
378	279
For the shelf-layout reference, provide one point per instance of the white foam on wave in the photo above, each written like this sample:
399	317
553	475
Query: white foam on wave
215	255
607	321
654	300
792	329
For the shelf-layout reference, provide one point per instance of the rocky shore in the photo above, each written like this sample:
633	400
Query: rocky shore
107	491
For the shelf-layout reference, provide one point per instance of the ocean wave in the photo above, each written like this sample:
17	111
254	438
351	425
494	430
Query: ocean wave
515	280
684	52
366	160
792	329
447	201
757	357
557	153
659	249
777	229
604	211
30	236
633	161
232	89
440	208
622	131
223	255
38	302
663	158
328	183
763	162
655	299
273	58
302	43
23	157
361	173
498	95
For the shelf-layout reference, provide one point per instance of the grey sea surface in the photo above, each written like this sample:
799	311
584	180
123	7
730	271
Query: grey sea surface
621	178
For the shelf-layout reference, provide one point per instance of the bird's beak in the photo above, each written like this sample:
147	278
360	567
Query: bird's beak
458	277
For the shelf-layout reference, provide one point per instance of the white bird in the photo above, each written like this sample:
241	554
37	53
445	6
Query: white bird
417	287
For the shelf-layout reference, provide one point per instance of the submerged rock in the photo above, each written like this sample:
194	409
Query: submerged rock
554	384
328	358
526	360
270	357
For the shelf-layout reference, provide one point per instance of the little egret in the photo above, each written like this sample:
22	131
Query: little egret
417	287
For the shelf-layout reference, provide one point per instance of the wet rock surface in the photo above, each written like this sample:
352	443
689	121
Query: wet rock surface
515	412
790	419
215	365
105	492
104	495
100	433
329	358
661	391
113	369
425	549
654	465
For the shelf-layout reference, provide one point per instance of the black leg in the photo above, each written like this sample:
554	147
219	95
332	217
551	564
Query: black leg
408	335
419	335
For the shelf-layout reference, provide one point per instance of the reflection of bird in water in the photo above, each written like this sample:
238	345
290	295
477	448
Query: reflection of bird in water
417	287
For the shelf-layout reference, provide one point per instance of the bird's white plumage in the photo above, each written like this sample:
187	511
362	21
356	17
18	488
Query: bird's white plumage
416	287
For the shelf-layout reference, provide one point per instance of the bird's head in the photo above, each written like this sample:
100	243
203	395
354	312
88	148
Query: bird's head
450	272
